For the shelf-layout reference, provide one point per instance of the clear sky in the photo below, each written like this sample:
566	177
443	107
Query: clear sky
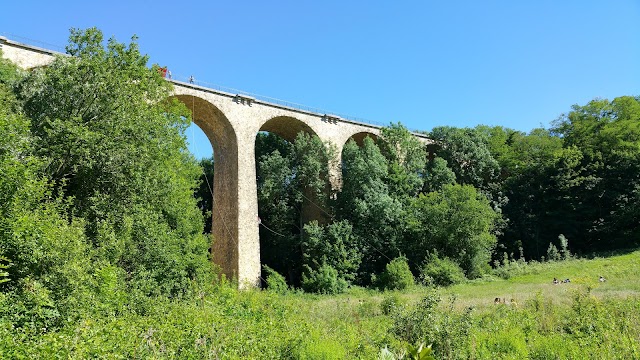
518	64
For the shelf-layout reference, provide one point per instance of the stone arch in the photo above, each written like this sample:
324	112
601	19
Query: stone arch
225	212
286	127
360	136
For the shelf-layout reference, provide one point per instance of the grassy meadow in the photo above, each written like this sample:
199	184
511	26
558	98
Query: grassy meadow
582	319
621	273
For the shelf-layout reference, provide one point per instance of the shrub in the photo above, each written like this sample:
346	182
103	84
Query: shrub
564	247
324	280
335	245
441	272
275	281
509	266
447	329
390	304
396	276
552	253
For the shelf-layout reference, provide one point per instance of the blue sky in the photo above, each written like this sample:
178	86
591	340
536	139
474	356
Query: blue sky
518	64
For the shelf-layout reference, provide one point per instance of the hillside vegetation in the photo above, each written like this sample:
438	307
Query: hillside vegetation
105	222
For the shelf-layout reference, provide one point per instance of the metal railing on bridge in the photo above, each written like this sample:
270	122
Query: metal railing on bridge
268	99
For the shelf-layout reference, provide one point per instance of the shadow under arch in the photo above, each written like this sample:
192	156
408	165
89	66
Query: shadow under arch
275	250
286	127
359	137
225	212
338	169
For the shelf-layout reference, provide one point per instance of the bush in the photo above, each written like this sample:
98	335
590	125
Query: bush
390	304
552	253
275	281
335	245
396	276
564	247
446	329
441	272
324	280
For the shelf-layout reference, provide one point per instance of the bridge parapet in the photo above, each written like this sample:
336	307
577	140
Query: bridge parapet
26	56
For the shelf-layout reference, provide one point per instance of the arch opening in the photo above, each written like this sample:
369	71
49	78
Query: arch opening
286	127
285	201
359	137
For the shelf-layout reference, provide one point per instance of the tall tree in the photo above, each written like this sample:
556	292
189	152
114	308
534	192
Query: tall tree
366	201
293	185
528	177
406	158
437	174
467	153
115	148
607	133
47	273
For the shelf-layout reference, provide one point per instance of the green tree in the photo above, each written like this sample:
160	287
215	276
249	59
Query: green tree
467	153
114	147
529	178
406	158
606	179
47	258
310	159
293	189
437	174
277	209
366	202
456	222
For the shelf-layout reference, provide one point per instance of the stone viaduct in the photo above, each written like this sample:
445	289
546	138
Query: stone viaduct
231	122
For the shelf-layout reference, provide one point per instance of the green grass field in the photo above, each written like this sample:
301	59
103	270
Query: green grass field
622	273
584	319
358	313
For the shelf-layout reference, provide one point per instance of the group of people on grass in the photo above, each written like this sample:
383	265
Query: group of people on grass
565	281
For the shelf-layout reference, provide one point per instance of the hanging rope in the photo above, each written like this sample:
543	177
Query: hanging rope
266	227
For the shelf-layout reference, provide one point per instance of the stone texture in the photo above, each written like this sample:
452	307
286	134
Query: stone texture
26	56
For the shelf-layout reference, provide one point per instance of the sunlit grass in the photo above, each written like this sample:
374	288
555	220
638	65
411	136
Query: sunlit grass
622	273
227	323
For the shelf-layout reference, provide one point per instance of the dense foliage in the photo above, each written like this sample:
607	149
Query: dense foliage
471	197
97	206
380	213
